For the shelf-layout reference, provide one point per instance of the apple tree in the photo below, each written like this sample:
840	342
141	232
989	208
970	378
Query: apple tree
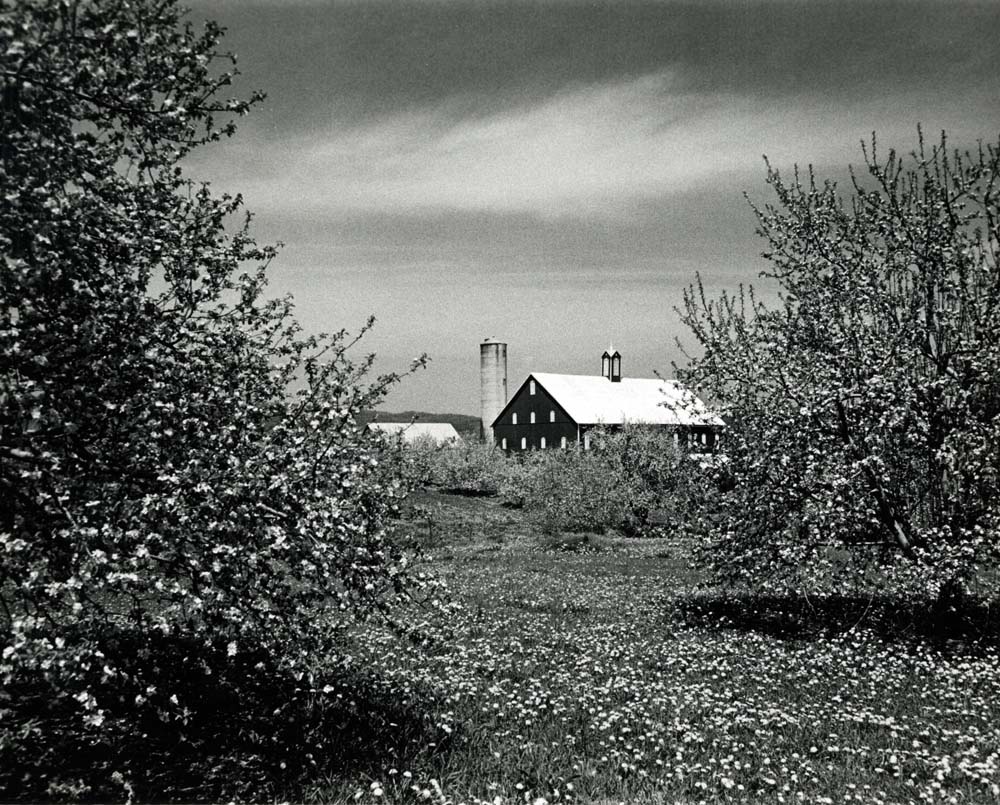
178	460
865	403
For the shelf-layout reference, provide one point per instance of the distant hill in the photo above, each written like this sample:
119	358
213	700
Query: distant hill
467	426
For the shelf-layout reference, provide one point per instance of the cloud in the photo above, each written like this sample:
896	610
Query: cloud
552	171
592	151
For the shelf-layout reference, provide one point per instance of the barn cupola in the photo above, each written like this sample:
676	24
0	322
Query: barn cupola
611	365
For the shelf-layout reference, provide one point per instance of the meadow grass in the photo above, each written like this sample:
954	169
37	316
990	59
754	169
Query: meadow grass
594	669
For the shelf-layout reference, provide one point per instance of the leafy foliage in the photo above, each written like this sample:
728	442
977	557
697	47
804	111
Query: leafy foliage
634	479
178	461
470	467
629	475
866	405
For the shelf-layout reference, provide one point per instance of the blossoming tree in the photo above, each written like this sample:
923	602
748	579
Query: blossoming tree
865	405
177	459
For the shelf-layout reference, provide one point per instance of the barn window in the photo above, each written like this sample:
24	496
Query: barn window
552	416
542	443
503	443
532	417
562	442
513	419
704	438
531	387
524	443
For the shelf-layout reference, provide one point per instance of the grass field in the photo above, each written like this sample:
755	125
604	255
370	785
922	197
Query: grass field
594	670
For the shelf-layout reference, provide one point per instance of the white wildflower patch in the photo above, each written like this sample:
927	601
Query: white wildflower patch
571	677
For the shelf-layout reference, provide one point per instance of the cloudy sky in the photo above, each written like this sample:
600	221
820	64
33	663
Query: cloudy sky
555	173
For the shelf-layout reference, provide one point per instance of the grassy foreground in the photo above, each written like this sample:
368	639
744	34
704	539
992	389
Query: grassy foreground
593	670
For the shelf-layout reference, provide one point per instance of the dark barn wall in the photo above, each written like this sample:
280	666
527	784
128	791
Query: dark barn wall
700	439
522	404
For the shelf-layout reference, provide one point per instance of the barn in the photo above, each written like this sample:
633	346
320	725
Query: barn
556	411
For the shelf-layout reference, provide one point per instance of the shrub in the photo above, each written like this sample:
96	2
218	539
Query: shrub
472	467
571	490
628	475
651	475
412	462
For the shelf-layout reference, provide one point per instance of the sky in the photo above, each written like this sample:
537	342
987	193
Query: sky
554	173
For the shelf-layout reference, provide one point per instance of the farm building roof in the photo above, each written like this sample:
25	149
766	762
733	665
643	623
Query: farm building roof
592	400
440	432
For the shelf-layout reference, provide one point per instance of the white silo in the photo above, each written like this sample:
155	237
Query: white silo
493	384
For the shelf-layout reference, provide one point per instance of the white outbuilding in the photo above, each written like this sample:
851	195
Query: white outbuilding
438	433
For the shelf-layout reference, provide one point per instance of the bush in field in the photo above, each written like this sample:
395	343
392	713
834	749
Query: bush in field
569	490
412	463
184	484
627	476
473	467
514	477
866	404
650	474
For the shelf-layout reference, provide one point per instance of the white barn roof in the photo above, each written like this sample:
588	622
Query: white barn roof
440	432
592	400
